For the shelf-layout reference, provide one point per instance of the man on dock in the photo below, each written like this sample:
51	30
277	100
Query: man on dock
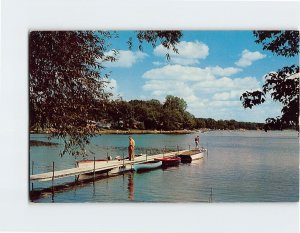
131	149
197	142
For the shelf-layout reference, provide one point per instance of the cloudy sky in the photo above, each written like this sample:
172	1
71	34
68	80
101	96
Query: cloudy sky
210	72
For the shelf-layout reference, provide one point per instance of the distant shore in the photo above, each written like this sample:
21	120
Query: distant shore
139	131
131	131
41	143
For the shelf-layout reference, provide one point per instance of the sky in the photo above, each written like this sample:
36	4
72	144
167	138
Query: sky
211	71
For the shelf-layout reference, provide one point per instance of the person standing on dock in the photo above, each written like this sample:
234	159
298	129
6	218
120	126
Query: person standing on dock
131	148
197	141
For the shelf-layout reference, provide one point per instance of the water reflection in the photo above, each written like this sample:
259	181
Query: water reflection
171	168
131	186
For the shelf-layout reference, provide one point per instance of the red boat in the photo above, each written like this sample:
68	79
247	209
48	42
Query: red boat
168	162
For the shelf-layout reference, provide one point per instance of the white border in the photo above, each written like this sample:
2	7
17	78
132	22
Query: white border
19	16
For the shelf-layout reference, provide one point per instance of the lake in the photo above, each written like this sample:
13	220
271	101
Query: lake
249	166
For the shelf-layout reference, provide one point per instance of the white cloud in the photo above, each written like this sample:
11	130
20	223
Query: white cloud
179	72
206	90
189	53
226	84
249	57
189	73
160	88
125	58
111	87
217	70
229	95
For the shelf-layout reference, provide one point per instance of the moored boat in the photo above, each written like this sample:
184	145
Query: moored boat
190	155
139	167
168	162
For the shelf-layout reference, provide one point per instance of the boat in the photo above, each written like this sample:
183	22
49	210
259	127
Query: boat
188	156
139	167
170	161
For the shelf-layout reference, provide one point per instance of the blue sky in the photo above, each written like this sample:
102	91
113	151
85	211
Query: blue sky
210	72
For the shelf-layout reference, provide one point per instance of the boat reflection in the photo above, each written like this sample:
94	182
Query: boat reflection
172	168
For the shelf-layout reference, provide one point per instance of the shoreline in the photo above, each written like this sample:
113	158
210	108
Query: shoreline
139	131
127	132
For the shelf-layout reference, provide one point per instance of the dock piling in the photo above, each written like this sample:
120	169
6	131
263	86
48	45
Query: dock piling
189	147
52	191
210	197
32	163
53	170
207	150
52	175
94	166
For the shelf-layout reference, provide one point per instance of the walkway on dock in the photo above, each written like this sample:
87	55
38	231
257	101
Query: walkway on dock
110	165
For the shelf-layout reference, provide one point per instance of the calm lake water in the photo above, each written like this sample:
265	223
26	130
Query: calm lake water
251	166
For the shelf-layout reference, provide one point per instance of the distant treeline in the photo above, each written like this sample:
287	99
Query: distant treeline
169	115
226	124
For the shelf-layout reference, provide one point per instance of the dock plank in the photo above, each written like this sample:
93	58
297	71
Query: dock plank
109	165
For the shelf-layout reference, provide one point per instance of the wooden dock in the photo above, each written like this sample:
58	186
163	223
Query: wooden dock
112	167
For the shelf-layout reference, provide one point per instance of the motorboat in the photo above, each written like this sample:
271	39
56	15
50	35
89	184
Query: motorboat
149	165
190	155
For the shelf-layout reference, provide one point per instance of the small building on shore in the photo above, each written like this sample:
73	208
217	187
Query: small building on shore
105	124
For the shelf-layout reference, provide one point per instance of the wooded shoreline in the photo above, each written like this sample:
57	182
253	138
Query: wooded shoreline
137	131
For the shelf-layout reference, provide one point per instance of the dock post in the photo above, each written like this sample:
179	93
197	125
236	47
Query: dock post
123	167
177	148
94	166
52	171
189	147
107	157
207	150
32	163
53	176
